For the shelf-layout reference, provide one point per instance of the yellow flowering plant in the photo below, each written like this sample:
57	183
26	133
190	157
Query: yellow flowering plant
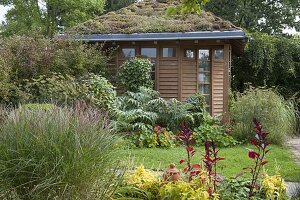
142	178
274	187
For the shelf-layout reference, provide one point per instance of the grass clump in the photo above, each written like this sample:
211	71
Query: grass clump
57	154
277	115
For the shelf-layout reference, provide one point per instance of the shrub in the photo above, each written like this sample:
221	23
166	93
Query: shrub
140	111
135	73
198	108
57	154
101	92
134	113
158	137
93	89
209	130
31	57
277	115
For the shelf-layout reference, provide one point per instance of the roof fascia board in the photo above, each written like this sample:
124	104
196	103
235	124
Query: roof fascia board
203	35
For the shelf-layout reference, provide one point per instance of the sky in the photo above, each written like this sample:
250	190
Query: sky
3	11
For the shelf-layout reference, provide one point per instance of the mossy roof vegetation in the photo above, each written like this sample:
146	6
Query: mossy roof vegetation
149	16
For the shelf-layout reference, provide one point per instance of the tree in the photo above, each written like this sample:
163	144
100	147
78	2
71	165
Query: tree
269	61
112	5
187	6
269	16
47	16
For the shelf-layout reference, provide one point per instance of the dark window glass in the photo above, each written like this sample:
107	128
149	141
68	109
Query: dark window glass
204	66
169	52
219	54
128	52
189	53
148	52
204	54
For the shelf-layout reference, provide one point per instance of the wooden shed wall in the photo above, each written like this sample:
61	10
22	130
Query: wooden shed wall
178	77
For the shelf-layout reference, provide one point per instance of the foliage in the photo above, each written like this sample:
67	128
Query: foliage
274	187
149	16
37	107
235	188
112	5
93	89
133	111
136	111
47	17
271	17
261	143
101	92
196	189
210	161
198	107
269	61
139	184
187	7
159	137
274	112
30	57
173	112
135	73
186	137
58	154
209	130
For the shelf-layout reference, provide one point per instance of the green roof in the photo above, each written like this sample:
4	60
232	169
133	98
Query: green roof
149	16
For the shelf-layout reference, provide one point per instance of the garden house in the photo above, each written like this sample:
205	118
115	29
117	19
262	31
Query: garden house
190	53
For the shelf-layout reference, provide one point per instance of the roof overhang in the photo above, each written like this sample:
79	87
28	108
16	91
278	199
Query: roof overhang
237	37
201	35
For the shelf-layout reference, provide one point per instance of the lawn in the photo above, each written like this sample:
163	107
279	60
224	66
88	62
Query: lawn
236	158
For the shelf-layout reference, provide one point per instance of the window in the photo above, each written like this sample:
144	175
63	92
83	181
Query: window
219	54
128	52
169	52
148	52
204	76
189	53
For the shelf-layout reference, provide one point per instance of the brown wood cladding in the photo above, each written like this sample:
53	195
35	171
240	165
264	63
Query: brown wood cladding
176	77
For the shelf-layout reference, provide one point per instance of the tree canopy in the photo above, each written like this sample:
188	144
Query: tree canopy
112	5
47	16
258	15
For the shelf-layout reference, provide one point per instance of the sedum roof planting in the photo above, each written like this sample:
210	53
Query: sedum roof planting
149	16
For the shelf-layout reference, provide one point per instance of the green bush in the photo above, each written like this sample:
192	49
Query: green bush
30	57
198	108
135	73
93	89
134	111
156	137
209	130
276	114
100	91
140	111
57	154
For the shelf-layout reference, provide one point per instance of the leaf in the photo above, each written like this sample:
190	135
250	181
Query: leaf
186	169
196	166
181	161
263	163
194	172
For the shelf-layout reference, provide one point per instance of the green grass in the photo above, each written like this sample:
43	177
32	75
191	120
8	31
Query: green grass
236	158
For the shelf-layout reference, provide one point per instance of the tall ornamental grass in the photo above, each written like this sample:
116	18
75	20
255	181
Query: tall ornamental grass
57	154
277	114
